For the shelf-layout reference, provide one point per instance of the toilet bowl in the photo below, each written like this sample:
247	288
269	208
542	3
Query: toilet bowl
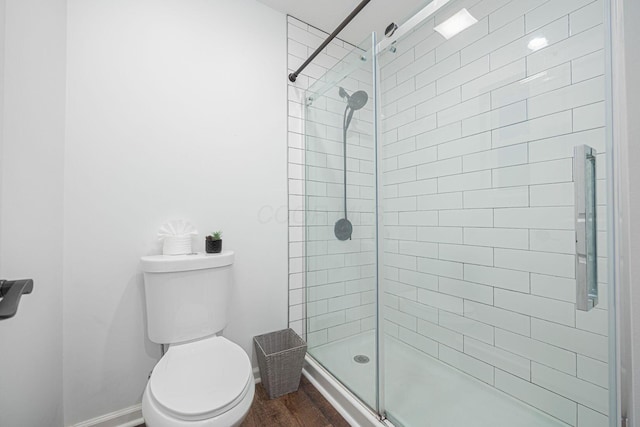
206	383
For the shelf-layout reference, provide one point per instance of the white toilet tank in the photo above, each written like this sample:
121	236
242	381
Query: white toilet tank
187	295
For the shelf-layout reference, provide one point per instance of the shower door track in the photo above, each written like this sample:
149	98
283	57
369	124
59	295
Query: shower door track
355	410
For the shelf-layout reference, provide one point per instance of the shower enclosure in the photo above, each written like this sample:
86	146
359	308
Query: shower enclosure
456	217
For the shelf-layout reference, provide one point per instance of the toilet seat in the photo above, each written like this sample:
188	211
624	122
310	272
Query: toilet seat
201	379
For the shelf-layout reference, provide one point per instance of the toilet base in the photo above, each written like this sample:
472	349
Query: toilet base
154	416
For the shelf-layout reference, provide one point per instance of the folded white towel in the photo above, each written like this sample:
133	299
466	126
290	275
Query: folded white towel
176	236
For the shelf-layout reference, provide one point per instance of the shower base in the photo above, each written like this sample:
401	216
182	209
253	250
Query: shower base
421	391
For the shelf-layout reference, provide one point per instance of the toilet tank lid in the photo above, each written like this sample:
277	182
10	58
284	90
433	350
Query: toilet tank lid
174	263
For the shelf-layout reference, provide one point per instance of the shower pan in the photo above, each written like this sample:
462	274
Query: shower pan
458	216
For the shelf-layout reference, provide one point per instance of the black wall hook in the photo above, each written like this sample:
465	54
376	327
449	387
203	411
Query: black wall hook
11	291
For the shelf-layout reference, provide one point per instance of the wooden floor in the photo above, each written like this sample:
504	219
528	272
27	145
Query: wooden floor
306	408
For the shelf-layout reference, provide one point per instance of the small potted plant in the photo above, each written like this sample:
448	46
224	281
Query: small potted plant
213	242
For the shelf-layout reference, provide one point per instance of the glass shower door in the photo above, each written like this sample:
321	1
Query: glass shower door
340	221
494	265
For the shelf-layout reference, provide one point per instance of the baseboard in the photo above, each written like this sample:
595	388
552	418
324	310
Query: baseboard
132	416
128	417
256	375
354	412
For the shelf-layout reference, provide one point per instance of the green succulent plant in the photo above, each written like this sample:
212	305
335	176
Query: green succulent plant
215	235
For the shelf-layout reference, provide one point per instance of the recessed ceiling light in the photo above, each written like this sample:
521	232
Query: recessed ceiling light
458	22
538	43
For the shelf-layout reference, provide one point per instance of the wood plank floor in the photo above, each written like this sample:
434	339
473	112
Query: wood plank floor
304	408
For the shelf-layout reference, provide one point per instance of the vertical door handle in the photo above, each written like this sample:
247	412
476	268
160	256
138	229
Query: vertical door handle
584	178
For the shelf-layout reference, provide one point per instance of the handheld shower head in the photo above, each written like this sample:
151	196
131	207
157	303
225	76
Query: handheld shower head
356	101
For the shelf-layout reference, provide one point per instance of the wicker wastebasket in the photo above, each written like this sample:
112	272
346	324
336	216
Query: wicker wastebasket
280	358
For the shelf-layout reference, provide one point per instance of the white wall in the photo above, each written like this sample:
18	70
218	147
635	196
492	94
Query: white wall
33	40
176	109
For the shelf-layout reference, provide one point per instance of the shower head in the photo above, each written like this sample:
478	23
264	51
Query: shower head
354	102
357	100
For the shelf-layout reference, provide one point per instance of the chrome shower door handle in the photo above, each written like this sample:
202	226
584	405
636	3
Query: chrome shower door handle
584	179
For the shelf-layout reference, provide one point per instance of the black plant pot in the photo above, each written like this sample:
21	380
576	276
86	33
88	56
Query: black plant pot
213	246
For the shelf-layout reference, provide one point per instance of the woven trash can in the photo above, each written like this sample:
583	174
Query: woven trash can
280	359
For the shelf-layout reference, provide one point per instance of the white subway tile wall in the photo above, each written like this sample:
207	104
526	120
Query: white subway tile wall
331	282
478	215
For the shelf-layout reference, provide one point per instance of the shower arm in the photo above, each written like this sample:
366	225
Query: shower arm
293	76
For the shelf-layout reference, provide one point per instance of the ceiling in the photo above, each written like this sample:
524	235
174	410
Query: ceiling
328	14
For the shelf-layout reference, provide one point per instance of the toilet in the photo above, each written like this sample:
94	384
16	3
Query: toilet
203	380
